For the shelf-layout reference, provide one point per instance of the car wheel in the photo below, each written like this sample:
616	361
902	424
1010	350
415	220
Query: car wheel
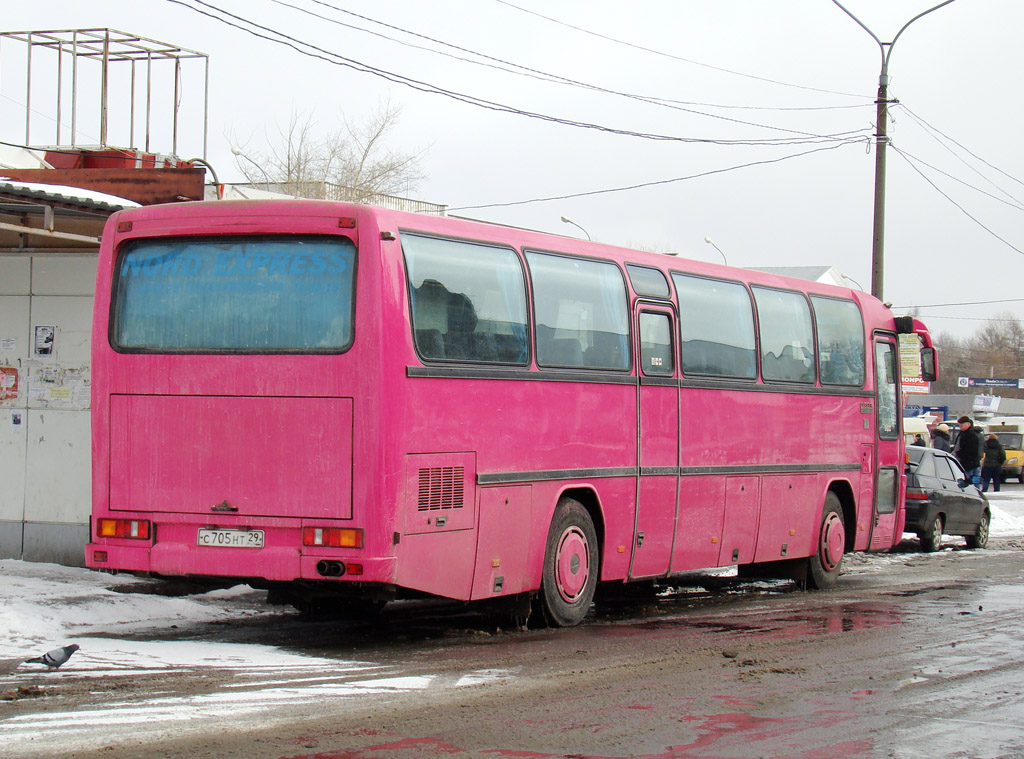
571	565
980	538
931	538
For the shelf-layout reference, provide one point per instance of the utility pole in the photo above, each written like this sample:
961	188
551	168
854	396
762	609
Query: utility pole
881	142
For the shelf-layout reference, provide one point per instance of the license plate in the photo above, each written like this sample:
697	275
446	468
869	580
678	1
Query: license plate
231	538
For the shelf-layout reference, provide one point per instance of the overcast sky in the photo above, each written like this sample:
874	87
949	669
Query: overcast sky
761	112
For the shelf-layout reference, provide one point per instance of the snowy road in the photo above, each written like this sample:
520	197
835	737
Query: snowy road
153	668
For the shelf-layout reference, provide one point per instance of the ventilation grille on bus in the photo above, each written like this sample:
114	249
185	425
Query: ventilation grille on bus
440	488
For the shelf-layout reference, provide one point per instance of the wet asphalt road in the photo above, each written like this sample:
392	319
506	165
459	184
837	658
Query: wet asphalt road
912	656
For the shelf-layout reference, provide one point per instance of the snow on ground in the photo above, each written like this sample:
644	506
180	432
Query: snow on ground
43	606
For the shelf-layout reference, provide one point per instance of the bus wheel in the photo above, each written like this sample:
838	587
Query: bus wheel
571	565
828	557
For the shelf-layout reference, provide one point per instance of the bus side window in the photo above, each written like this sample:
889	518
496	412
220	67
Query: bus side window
468	301
581	312
656	344
840	341
787	340
716	326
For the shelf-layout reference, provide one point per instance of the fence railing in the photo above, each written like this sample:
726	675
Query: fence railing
331	191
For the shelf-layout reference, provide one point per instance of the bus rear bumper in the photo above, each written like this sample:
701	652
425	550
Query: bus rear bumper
276	564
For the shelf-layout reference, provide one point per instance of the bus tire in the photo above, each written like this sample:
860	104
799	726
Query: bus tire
825	564
571	565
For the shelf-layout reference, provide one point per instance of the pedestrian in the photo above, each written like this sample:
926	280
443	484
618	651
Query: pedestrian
968	449
918	440
992	464
940	438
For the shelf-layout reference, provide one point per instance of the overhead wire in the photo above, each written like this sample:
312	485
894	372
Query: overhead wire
1012	203
670	55
933	131
963	210
504	65
642	184
337	59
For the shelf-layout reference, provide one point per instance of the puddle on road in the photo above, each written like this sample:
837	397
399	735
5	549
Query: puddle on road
786	624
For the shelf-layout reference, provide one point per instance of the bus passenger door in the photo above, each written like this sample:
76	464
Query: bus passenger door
888	466
657	442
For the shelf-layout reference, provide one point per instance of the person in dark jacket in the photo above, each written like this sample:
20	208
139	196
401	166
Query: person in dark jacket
968	448
940	438
992	464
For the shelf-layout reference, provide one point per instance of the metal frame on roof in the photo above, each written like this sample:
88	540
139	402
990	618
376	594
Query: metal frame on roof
108	46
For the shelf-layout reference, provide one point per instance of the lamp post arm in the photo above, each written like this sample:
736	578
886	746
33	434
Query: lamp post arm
881	141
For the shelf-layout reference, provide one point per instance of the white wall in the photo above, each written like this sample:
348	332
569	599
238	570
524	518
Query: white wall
44	430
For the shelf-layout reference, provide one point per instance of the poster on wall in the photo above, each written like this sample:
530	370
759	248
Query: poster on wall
45	335
17	419
8	383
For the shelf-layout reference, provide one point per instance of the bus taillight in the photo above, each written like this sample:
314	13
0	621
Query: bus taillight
335	537
123	528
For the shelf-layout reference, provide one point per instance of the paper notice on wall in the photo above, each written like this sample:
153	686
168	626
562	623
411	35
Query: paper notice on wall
45	336
8	344
8	383
17	420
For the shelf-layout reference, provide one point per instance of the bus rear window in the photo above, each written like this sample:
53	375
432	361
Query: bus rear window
234	295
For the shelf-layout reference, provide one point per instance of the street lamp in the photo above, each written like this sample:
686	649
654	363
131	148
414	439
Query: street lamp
570	221
847	276
711	242
881	140
240	154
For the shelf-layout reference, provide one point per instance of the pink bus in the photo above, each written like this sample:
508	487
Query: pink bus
348	405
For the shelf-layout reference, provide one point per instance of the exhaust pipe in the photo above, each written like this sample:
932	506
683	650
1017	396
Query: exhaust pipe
330	568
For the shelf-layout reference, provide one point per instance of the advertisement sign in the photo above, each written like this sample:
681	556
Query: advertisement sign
1012	384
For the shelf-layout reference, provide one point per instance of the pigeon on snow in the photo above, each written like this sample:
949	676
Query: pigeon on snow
53	659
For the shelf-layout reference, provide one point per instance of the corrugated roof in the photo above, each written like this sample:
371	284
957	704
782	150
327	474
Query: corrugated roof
67	196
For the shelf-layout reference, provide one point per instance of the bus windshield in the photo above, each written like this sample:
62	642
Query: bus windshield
234	295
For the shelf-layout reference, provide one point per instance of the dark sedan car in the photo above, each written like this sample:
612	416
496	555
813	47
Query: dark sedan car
942	501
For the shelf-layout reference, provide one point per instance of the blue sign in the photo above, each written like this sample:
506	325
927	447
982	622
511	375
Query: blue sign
990	382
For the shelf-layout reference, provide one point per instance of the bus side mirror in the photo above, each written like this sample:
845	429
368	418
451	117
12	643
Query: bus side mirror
929	365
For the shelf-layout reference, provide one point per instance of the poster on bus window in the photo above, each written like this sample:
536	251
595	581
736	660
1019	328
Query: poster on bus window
910	365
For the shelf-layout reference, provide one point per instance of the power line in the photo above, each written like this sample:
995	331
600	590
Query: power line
642	184
969	303
932	132
536	73
1013	203
339	60
673	57
961	146
962	209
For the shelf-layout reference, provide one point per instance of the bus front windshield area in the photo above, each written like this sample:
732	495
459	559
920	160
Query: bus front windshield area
234	295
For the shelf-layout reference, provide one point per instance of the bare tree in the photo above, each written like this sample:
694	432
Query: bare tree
352	163
996	349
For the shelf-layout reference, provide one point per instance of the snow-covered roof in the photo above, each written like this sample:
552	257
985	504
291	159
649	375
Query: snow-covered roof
56	193
824	274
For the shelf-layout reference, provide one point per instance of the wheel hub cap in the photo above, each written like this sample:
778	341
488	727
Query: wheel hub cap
572	564
833	540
